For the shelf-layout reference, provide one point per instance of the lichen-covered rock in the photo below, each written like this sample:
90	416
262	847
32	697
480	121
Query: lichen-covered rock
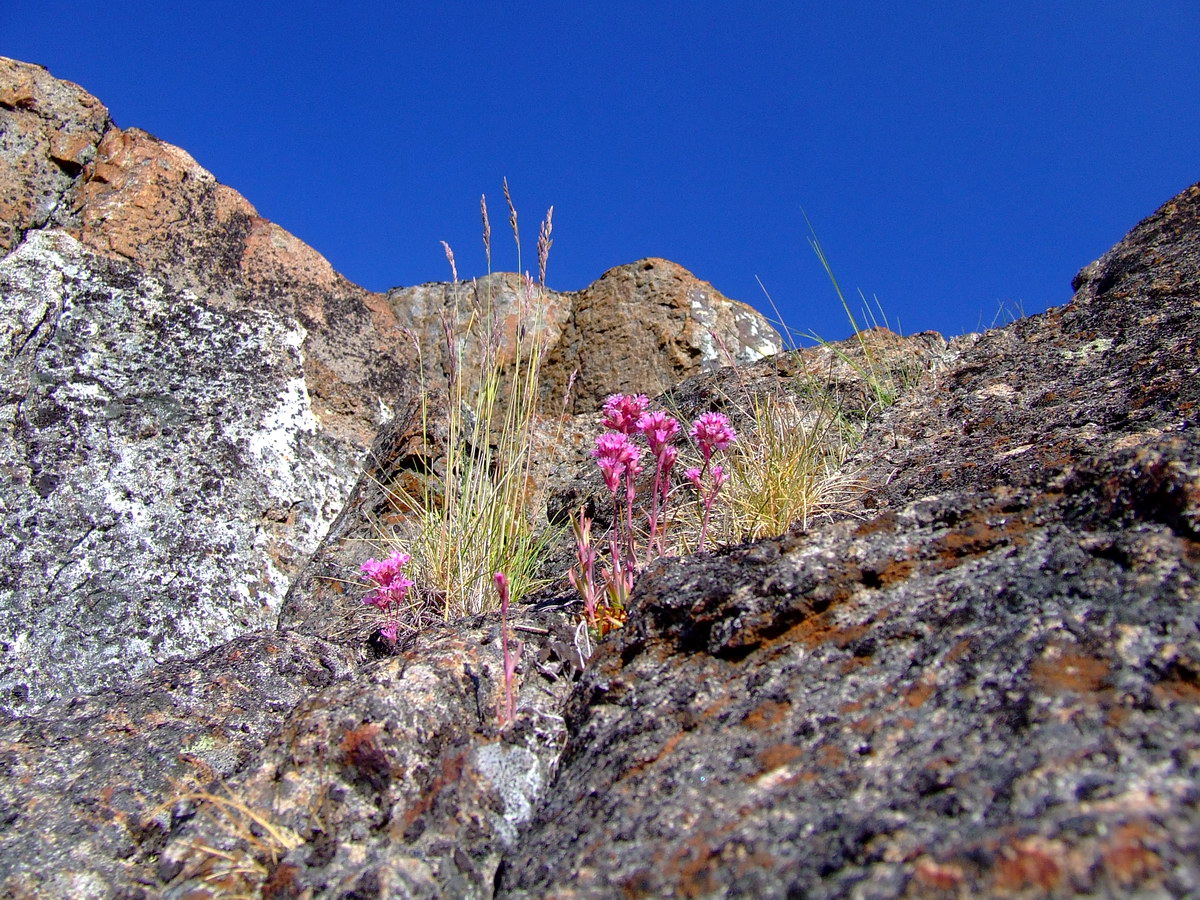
639	328
985	688
645	326
126	194
1114	368
165	474
90	786
397	782
990	694
49	130
186	391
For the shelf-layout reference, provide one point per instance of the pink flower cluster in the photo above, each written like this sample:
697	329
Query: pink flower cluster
712	432
391	588
622	411
619	458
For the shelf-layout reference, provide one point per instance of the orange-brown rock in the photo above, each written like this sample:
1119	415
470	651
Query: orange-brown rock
639	328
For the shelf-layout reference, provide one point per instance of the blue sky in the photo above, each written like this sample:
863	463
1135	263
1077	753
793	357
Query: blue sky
952	156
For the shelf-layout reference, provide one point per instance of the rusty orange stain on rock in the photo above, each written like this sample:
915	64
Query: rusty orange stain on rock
1180	683
883	522
976	538
1062	670
830	756
1126	858
777	756
865	725
895	571
938	876
766	714
917	694
667	748
1028	865
959	650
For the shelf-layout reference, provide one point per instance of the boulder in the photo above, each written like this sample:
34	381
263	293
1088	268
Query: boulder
166	476
639	328
92	785
186	392
979	676
192	388
396	782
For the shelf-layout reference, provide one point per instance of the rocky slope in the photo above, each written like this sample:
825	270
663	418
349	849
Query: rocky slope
980	677
187	392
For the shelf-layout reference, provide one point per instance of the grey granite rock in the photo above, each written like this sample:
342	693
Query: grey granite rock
396	782
165	475
981	678
982	683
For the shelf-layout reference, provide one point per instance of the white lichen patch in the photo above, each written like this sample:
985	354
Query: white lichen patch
1088	350
518	777
998	391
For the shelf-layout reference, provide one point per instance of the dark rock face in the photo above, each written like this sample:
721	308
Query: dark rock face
986	689
1113	369
395	782
989	693
90	784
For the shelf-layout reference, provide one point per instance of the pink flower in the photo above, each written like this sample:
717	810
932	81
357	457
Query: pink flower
615	454
391	587
382	572
693	475
719	478
659	429
667	460
621	412
502	586
712	432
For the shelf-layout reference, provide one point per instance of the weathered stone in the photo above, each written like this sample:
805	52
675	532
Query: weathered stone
645	326
187	391
135	197
90	785
992	694
49	130
985	688
165	475
1114	368
980	679
639	328
394	783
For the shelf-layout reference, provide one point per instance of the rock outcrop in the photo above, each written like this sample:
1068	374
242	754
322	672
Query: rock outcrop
984	684
188	391
979	677
639	328
165	473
